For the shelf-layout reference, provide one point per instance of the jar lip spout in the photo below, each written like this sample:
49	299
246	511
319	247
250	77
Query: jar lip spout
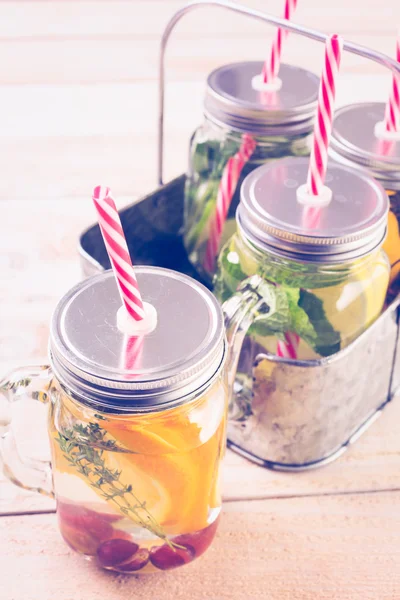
232	101
352	225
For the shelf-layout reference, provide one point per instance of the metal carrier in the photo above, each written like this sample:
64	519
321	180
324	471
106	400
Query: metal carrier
153	230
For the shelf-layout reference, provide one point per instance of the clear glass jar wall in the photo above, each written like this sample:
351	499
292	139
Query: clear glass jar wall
210	149
327	305
140	492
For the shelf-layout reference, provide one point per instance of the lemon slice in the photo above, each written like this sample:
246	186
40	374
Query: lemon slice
354	304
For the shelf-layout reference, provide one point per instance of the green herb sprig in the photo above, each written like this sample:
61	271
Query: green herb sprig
83	447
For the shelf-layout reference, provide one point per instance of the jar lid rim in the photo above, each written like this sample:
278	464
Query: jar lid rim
353	224
231	99
355	144
96	360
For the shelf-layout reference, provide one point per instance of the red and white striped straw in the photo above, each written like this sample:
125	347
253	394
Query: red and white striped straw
272	64
115	242
226	190
288	348
132	352
323	123
318	159
392	111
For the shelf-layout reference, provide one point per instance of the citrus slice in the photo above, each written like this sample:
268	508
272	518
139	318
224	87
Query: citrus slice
353	305
175	487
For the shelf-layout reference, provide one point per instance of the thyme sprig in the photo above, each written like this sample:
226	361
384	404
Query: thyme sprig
83	447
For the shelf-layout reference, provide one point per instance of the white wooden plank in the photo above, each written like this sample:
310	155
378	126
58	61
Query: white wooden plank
333	548
124	61
66	19
66	139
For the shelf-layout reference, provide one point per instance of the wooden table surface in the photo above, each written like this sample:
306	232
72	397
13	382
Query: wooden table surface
79	107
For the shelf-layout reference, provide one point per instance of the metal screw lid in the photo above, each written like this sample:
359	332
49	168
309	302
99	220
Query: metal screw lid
354	143
183	353
271	217
231	100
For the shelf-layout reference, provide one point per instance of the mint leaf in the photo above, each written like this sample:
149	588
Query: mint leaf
278	320
286	316
300	312
229	275
327	340
294	309
201	156
300	320
297	275
202	208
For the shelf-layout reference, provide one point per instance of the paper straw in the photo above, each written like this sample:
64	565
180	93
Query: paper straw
132	352
288	348
392	110
323	128
117	248
272	64
226	190
323	123
319	158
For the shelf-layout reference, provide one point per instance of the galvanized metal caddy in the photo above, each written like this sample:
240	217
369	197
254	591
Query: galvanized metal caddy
363	377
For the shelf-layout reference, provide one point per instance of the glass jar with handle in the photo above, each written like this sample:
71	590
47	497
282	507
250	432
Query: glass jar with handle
136	424
322	286
243	128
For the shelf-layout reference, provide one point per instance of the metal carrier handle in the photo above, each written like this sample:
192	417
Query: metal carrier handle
378	57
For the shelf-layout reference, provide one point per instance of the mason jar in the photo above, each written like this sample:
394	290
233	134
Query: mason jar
136	424
322	286
236	111
356	143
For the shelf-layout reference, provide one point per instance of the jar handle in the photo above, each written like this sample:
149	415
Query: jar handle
246	11
254	297
27	473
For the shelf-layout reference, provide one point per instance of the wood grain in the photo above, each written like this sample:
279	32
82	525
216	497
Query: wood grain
332	548
147	18
68	138
125	61
79	107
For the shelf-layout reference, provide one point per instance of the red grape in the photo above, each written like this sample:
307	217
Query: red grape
116	551
164	557
199	540
140	559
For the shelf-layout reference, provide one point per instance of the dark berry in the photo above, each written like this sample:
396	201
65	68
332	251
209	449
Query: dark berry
114	552
140	559
199	540
164	557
